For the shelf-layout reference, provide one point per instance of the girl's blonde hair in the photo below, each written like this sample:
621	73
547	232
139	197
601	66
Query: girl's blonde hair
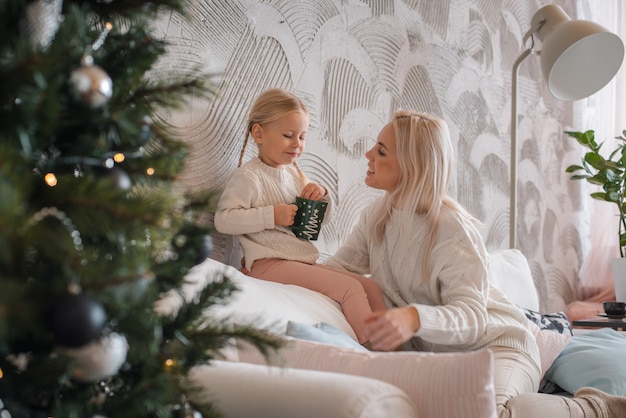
425	156
269	106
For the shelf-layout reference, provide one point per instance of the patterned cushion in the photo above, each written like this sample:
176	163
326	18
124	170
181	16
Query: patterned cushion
557	321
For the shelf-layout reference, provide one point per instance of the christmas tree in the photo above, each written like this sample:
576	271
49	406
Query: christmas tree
94	229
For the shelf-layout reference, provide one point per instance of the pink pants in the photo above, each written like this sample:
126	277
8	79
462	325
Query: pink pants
357	295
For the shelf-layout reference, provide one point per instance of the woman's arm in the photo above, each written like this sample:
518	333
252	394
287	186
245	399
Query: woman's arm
353	255
458	316
450	308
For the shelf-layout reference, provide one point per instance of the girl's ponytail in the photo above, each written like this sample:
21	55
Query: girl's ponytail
243	148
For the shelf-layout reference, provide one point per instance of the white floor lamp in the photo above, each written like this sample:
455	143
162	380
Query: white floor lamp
578	58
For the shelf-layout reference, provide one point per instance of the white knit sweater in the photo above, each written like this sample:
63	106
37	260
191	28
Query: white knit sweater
458	308
246	209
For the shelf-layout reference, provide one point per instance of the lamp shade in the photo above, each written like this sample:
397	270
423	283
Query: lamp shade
578	57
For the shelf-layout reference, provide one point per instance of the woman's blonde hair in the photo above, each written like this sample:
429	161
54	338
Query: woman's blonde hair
425	156
269	106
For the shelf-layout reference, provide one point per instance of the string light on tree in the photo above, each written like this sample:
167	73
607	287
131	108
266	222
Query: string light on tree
170	365
50	179
104	390
67	224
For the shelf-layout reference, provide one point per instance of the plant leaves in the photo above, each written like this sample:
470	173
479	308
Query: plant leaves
609	173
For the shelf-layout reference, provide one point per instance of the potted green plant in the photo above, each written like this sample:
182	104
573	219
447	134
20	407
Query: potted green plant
610	174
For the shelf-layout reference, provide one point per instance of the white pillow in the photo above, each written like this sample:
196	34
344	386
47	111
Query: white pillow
264	304
441	385
510	273
242	390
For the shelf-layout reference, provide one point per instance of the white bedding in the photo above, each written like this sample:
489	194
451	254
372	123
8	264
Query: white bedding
270	305
267	305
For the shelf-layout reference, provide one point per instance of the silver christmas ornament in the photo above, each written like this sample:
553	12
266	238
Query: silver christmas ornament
92	85
42	21
100	359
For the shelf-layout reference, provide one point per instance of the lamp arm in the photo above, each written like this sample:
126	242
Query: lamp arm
513	175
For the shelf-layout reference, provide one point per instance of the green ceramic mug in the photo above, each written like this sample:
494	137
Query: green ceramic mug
308	220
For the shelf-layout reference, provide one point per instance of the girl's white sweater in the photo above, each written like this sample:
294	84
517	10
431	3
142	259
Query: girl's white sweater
246	209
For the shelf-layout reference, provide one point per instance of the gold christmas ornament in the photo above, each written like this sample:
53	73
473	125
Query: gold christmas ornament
92	85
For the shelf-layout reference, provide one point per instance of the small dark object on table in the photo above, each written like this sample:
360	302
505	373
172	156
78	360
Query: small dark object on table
614	308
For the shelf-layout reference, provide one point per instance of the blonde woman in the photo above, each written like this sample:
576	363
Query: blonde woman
427	255
257	206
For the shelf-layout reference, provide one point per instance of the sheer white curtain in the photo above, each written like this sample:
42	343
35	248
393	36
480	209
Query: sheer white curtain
604	113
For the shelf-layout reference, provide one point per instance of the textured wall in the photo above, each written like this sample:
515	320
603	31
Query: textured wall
354	63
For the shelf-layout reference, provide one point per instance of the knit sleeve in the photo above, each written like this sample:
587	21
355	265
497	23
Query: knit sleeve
459	277
236	213
353	255
330	209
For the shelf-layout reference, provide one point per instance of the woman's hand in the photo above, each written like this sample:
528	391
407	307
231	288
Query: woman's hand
313	191
390	328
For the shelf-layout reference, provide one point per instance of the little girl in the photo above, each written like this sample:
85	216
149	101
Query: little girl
257	206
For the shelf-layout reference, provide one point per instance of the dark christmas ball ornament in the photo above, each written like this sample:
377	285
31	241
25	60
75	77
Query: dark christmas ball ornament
92	85
132	291
121	178
31	413
205	248
146	130
193	240
76	320
118	177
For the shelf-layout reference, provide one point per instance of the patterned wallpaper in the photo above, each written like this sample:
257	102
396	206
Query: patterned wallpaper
354	63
